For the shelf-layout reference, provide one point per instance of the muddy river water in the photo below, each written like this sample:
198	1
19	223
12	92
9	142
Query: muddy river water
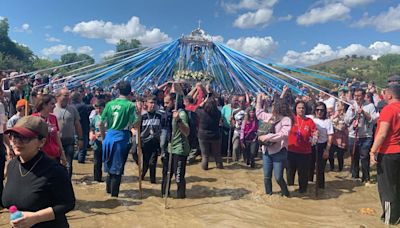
232	197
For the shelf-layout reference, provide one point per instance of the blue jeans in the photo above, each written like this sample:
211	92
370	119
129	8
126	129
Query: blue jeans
361	153
275	162
82	152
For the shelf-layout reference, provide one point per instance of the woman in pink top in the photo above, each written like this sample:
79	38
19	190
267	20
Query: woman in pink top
275	142
248	136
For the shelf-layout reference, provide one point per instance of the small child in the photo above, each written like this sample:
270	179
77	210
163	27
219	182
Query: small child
96	140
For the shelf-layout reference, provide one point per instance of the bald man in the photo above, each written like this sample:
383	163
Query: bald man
69	123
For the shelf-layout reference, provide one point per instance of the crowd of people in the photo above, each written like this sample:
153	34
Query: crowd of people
44	131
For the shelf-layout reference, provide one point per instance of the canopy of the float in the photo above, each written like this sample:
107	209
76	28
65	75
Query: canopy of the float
191	58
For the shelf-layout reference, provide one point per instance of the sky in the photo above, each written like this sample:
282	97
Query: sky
291	32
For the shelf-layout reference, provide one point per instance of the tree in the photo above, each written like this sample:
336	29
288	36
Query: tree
124	45
4	27
389	62
74	57
14	55
39	63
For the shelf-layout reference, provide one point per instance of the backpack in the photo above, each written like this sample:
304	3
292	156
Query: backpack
267	128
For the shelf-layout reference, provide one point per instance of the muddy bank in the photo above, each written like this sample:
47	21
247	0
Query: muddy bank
233	197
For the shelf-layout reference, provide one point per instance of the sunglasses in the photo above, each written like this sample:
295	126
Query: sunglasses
15	137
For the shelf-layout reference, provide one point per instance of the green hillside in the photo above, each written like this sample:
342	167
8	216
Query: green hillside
363	68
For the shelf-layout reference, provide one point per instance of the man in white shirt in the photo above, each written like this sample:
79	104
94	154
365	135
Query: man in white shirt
328	100
360	118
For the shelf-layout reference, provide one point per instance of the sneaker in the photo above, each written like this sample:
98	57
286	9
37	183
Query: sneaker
369	184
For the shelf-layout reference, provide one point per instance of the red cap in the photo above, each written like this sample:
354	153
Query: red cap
22	131
30	127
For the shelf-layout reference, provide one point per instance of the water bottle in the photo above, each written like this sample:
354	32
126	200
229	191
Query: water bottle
15	213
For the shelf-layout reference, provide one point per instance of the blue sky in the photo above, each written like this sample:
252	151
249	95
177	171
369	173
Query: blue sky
295	32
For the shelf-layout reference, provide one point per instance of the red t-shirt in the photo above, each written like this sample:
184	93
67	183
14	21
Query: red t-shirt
390	114
199	100
300	134
51	147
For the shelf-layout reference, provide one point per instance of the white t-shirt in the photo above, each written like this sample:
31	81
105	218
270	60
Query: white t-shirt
324	127
330	102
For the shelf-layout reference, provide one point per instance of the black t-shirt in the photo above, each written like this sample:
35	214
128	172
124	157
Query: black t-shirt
87	98
151	126
47	185
208	125
166	122
84	113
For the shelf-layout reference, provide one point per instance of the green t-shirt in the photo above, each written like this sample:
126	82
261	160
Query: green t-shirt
180	143
95	127
119	114
95	123
226	115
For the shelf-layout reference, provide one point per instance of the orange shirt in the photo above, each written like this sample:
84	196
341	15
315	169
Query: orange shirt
390	114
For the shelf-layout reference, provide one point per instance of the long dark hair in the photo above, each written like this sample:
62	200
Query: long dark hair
247	115
281	108
371	97
42	101
305	107
325	116
210	107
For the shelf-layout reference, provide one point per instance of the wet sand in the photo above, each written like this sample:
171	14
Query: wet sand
233	197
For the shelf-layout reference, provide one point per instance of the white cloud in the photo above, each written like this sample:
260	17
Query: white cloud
286	18
64	49
57	50
385	22
51	39
330	12
1	18
250	20
48	27
112	33
248	5
24	28
322	52
84	50
107	53
254	46
353	3
218	39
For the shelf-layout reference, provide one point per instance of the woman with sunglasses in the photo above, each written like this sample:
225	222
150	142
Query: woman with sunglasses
299	146
36	184
52	147
324	142
275	141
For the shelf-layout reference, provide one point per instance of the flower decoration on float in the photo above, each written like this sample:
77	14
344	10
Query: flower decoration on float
198	76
